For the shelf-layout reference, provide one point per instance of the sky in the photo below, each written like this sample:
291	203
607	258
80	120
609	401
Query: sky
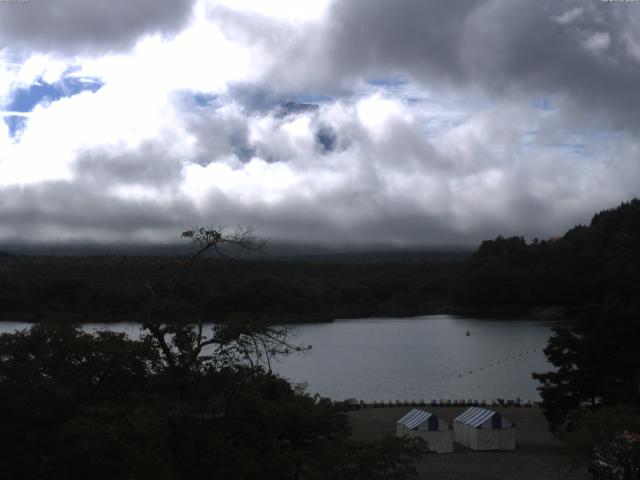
405	123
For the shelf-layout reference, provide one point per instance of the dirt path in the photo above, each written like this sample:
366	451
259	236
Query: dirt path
536	458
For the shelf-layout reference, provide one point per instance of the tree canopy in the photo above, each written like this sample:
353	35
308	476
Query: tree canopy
178	402
596	362
597	263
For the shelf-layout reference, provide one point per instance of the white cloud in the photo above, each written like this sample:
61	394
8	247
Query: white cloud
597	42
403	160
569	16
632	45
293	11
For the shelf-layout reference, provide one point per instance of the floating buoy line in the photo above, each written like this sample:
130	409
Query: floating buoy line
499	362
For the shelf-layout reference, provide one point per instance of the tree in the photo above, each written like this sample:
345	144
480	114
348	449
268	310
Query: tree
592	400
609	437
178	403
596	363
53	376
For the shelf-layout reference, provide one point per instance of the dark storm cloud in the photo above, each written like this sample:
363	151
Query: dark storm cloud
219	133
63	211
366	217
150	164
81	26
588	50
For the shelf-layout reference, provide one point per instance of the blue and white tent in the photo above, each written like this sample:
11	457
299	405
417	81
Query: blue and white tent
435	431
482	429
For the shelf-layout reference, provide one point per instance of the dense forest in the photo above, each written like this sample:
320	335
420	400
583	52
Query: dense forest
592	264
108	288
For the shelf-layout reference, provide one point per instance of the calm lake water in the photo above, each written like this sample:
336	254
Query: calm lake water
428	357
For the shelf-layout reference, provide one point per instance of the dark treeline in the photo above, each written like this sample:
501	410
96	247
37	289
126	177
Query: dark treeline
76	405
594	264
108	288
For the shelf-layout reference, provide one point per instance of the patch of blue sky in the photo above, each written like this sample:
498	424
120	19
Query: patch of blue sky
397	87
573	143
439	112
411	100
544	103
312	98
392	81
16	123
435	126
440	116
206	99
569	147
26	99
11	61
577	148
23	100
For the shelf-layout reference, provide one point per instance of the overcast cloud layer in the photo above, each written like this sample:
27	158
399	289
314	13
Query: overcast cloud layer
352	122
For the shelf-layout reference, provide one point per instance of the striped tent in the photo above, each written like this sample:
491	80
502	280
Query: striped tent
435	431
482	429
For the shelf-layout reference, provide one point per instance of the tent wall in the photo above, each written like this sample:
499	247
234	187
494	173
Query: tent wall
439	442
481	429
485	438
430	428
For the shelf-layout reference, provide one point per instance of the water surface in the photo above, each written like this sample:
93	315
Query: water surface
428	357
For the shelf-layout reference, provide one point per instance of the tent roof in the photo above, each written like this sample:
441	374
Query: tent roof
414	418
474	416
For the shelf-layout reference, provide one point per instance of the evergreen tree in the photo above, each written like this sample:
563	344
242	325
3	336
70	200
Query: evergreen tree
597	365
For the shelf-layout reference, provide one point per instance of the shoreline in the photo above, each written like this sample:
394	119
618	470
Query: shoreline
556	313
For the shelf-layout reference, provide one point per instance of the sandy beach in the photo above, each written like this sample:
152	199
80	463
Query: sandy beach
537	455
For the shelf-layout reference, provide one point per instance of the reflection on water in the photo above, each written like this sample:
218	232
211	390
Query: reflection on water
428	357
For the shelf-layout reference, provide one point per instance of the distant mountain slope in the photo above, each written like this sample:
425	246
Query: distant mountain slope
589	264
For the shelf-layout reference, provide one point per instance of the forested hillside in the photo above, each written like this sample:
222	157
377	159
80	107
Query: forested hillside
590	264
108	288
594	264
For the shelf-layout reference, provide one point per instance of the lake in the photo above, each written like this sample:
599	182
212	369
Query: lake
427	357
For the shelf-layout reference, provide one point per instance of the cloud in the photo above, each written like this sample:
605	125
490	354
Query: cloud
507	168
151	164
478	46
81	27
568	16
352	123
597	42
63	211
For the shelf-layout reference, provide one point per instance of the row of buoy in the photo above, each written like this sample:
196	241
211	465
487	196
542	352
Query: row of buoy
499	362
444	403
